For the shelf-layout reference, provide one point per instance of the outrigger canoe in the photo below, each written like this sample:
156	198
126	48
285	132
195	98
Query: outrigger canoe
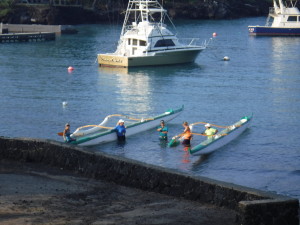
100	134
221	138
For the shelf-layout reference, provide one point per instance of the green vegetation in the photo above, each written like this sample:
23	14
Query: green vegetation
6	7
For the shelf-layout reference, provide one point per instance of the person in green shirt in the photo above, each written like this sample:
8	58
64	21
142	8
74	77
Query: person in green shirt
209	132
163	130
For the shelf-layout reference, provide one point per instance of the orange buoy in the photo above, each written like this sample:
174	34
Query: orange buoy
70	68
214	34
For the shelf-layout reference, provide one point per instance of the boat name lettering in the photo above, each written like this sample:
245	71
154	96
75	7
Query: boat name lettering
116	60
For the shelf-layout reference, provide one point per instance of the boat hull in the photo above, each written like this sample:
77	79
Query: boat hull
153	59
135	128
273	31
222	139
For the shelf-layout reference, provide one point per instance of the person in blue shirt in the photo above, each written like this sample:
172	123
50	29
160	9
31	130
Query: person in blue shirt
120	130
163	130
67	134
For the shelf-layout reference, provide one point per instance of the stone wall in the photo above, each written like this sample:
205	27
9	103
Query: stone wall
253	207
32	28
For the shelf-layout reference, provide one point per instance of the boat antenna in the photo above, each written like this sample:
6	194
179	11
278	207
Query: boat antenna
294	4
167	15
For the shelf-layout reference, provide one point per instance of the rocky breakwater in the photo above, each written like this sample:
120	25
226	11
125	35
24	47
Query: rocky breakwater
216	9
109	11
252	206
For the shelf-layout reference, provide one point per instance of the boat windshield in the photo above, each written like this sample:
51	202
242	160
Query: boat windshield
164	43
292	18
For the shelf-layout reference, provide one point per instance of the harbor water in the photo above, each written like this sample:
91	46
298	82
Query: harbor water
262	77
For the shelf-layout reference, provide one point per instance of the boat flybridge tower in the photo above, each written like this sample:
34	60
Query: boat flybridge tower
145	39
288	8
283	20
144	11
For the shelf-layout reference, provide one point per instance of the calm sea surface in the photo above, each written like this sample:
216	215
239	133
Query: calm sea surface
262	77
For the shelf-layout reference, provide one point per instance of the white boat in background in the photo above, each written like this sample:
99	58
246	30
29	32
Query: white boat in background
283	20
146	41
100	133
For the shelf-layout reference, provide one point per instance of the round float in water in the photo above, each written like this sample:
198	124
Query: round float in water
70	68
226	58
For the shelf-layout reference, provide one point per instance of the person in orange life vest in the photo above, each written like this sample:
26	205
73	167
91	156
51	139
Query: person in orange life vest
187	134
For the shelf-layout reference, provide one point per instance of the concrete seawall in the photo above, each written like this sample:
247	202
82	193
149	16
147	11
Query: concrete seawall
28	28
252	206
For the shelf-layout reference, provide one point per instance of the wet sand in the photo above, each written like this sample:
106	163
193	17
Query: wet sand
38	194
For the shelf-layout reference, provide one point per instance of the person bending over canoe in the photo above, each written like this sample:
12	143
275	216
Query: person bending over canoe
209	132
187	134
67	134
163	131
120	130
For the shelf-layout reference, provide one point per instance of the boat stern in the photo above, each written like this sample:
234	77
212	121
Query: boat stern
112	60
253	30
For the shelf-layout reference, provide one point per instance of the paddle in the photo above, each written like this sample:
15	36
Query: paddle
213	125
60	133
209	135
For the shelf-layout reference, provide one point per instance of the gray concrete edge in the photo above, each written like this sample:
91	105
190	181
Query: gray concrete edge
253	206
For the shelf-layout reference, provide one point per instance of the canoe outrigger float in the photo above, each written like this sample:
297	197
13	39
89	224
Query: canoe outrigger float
218	140
221	138
100	134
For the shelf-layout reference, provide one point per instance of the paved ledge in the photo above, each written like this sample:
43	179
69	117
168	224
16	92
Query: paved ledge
34	193
252	206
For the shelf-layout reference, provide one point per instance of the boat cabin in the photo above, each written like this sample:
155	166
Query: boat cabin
284	15
146	40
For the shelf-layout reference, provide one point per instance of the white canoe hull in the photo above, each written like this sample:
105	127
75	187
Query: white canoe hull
110	135
220	140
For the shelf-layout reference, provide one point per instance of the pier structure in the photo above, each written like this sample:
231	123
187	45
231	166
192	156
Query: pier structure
68	3
32	32
27	37
27	33
87	4
29	28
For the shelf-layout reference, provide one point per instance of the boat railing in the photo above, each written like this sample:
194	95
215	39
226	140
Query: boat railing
131	28
189	41
194	42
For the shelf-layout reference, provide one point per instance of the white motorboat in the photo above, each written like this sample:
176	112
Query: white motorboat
283	20
145	39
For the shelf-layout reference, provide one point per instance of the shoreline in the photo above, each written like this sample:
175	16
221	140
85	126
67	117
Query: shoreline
250	206
33	193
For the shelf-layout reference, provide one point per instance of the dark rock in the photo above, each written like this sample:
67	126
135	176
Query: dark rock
114	11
